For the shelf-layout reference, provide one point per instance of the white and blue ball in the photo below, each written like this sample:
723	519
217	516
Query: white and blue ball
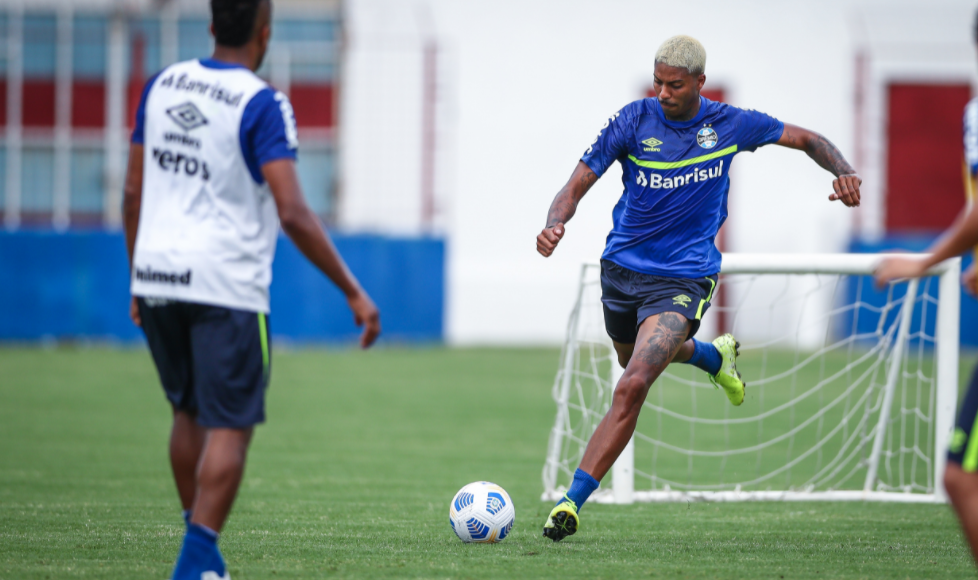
482	512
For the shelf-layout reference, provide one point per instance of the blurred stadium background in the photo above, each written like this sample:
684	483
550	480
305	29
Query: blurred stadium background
434	135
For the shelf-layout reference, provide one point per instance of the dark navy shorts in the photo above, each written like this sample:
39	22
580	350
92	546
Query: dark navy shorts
214	362
629	297
963	449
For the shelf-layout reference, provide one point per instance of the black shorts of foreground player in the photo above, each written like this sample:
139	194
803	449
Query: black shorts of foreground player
201	239
675	151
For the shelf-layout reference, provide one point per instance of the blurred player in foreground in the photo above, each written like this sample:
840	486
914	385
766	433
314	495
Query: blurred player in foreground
211	175
961	474
660	264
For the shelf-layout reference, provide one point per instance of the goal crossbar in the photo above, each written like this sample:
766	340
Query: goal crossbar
946	347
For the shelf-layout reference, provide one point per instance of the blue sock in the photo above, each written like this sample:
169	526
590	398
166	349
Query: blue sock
199	554
186	518
581	488
706	357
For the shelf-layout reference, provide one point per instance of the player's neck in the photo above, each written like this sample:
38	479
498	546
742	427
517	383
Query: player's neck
688	115
235	55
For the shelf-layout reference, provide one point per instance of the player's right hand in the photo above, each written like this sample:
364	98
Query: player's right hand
549	238
898	267
847	189
365	314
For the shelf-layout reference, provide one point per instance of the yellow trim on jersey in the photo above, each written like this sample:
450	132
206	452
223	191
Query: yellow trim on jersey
675	164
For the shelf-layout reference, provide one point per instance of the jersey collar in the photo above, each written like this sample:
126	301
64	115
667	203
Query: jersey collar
218	64
682	124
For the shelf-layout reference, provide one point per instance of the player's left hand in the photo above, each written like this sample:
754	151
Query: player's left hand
134	312
898	267
846	189
365	314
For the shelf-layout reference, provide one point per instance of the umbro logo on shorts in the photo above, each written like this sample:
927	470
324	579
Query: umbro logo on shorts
958	440
682	300
187	115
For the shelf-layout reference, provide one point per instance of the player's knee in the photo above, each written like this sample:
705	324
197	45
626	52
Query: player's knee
630	393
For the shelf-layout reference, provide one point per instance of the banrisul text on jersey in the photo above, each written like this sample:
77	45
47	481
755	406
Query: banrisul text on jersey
656	180
676	180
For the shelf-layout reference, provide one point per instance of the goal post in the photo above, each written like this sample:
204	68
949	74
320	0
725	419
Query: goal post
851	390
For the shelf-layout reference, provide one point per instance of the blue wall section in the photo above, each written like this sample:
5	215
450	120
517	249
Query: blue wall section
76	285
918	243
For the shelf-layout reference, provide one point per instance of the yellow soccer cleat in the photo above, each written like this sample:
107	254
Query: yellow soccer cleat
563	521
729	378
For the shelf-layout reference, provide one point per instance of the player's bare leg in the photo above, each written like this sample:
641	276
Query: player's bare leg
186	445
625	350
659	339
219	475
722	369
962	488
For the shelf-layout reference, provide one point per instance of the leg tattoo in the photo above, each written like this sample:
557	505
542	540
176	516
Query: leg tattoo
669	334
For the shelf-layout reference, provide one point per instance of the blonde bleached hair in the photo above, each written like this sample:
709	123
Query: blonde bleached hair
683	52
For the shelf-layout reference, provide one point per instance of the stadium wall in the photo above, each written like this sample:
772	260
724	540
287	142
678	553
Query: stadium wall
533	84
75	285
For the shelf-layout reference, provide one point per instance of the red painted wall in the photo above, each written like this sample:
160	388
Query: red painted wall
313	104
38	103
924	190
88	104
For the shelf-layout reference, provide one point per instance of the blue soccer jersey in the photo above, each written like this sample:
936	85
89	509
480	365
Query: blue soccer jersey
676	178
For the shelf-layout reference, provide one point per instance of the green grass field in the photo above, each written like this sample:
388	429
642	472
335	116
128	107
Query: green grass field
353	473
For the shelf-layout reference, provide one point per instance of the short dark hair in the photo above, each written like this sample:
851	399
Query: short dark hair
234	21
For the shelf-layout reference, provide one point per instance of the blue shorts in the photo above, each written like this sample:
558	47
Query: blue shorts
962	449
630	297
214	362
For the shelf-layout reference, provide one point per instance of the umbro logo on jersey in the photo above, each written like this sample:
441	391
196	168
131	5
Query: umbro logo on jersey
187	115
651	144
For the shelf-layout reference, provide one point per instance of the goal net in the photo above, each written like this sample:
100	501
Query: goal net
851	390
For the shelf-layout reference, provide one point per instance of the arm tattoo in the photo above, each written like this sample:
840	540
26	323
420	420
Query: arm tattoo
669	334
828	156
565	204
561	210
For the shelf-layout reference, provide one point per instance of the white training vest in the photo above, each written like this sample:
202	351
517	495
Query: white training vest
207	231
971	135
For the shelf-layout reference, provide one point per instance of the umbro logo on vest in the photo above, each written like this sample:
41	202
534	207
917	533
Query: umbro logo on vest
651	144
187	115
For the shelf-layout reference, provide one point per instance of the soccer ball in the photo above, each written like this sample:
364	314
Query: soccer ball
482	512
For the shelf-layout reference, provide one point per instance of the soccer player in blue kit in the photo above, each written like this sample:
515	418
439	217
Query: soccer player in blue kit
211	177
660	264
